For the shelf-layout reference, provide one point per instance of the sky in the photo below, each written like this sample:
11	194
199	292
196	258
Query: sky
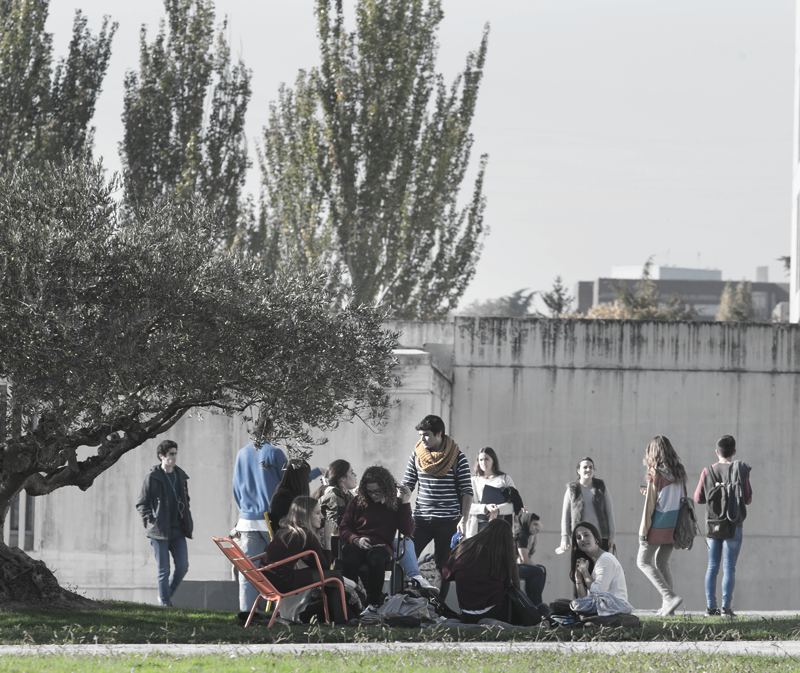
616	130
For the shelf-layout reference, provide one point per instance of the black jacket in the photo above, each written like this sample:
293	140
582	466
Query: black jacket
153	503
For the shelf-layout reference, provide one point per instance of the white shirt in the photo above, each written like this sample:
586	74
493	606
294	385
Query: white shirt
609	577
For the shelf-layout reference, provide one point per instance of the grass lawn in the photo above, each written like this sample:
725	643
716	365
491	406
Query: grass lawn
126	623
431	662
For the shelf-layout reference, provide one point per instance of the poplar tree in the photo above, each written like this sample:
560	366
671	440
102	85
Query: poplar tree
46	111
736	303
363	161
184	115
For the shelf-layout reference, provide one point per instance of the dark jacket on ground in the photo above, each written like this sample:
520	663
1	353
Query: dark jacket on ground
475	587
376	522
153	503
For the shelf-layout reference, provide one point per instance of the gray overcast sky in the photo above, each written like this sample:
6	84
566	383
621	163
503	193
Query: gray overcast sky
615	130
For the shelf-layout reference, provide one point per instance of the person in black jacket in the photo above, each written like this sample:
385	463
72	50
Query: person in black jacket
164	507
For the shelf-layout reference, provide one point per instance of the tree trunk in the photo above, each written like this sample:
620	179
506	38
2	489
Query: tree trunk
26	582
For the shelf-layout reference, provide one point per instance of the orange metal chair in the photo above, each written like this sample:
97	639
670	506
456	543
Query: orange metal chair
264	587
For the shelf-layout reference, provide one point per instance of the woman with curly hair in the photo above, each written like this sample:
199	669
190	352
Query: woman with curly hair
368	530
666	485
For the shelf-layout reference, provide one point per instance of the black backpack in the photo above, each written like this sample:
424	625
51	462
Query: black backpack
719	492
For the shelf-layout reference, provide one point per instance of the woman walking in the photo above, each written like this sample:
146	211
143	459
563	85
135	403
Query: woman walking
666	485
491	492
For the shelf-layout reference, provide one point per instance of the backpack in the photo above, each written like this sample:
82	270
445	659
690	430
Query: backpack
686	526
719	492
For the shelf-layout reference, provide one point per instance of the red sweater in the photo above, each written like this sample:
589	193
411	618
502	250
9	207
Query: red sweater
283	577
475	587
376	522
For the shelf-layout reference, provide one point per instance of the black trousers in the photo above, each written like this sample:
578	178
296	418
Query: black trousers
375	559
339	613
441	531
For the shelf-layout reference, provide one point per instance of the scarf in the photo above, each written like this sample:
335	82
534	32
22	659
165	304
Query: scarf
437	463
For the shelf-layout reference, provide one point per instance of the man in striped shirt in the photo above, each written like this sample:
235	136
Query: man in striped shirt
445	490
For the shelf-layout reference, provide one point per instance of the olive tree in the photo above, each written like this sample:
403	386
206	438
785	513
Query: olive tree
113	327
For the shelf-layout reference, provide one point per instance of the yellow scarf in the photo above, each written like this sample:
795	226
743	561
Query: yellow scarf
437	463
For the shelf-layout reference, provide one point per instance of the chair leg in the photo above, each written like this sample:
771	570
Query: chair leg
325	606
252	611
275	612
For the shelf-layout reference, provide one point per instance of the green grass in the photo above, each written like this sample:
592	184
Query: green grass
431	662
126	623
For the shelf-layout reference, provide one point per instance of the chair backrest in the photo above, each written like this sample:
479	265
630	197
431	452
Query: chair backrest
245	566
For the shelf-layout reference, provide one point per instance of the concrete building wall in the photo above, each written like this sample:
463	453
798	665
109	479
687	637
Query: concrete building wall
794	302
545	393
96	541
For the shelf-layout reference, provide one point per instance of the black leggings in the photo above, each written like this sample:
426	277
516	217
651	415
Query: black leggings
338	612
375	559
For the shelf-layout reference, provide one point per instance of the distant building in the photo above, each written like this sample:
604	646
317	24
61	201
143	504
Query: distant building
701	288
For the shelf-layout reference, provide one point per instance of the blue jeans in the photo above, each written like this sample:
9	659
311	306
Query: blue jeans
535	577
409	561
728	552
252	543
176	545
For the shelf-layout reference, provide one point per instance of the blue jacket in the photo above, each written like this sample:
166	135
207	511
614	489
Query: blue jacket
153	503
254	484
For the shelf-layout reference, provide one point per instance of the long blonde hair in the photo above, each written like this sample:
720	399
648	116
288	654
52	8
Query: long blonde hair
297	523
660	452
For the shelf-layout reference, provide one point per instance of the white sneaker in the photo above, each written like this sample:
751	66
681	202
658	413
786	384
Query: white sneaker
425	584
669	608
369	610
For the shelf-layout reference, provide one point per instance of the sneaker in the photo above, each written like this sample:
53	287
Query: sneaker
671	606
712	612
425	584
728	612
369	610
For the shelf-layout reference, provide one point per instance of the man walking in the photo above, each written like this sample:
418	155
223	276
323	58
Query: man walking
445	490
164	507
257	473
725	489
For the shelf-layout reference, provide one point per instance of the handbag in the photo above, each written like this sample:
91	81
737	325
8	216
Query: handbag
686	527
518	601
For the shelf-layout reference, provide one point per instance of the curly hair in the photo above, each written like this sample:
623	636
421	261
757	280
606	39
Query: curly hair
381	476
660	452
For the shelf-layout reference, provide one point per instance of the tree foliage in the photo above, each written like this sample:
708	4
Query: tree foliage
642	302
558	301
169	146
114	327
46	111
736	304
363	160
514	305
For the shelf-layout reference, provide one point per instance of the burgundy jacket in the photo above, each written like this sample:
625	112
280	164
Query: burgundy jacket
376	522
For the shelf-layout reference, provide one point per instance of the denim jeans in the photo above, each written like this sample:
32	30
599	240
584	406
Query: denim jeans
726	551
252	543
176	545
409	561
535	577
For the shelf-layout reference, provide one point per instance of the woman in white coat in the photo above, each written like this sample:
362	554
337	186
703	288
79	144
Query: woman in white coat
488	473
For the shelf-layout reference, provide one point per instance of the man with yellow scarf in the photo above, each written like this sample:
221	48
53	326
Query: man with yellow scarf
445	490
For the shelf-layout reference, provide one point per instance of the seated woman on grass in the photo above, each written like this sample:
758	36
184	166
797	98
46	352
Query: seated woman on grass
483	568
597	575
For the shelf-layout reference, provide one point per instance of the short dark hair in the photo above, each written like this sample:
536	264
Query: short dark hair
726	445
432	424
163	448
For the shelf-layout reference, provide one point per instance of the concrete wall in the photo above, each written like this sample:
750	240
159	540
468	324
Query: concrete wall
545	393
95	539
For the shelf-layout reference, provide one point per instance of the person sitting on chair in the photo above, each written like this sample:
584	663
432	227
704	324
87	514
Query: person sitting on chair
368	529
299	531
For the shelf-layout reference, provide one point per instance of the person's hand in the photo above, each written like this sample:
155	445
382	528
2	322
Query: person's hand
643	490
611	541
144	523
404	493
582	566
363	543
462	526
565	546
643	543
492	510
328	527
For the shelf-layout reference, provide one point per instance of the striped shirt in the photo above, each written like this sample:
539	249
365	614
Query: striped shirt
439	497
